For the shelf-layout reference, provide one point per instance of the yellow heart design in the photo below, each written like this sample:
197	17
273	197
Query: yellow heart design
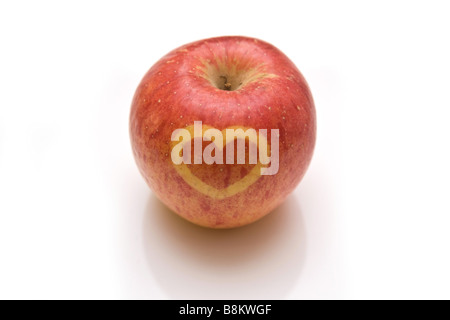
239	186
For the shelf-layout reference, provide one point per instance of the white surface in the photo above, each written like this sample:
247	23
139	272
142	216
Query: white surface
370	220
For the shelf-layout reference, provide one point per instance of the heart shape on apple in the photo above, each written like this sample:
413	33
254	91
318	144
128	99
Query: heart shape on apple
250	177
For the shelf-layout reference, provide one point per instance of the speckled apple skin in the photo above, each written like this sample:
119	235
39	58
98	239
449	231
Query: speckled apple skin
174	93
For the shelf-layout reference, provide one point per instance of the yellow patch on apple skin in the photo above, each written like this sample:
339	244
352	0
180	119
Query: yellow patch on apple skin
231	76
233	189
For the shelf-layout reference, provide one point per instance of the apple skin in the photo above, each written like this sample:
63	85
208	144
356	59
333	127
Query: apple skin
177	91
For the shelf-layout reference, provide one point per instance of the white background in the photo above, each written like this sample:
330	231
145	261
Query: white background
371	218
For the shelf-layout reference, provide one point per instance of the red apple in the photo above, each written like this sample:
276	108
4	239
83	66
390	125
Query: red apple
187	106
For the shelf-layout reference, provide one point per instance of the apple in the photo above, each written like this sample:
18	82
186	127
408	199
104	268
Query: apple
223	129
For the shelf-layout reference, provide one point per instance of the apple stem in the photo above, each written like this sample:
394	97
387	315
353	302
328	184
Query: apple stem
227	85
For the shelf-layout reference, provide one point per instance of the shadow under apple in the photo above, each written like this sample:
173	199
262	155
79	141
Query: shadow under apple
259	261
